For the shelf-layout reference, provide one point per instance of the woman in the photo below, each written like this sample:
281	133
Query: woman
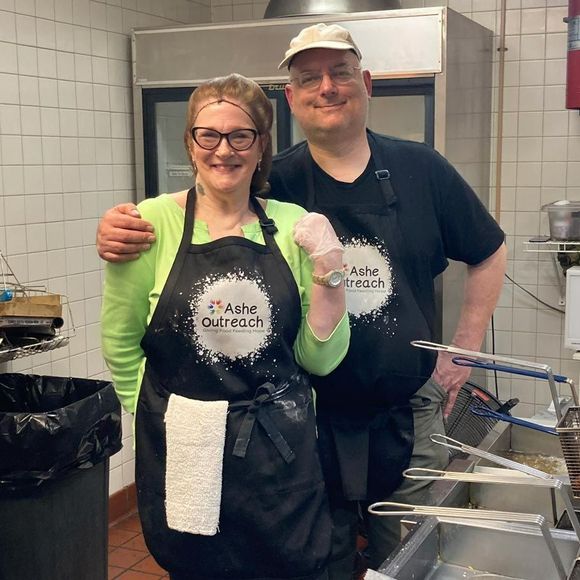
205	336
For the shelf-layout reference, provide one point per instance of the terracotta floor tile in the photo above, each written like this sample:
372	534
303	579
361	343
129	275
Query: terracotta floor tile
115	572
124	558
150	566
136	543
133	575
118	537
132	523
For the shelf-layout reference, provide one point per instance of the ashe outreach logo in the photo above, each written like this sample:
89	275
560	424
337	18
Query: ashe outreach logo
232	317
369	282
215	306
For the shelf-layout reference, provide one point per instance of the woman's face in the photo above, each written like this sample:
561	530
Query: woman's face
224	169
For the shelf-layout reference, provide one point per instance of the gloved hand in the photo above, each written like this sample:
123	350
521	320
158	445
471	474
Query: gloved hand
316	236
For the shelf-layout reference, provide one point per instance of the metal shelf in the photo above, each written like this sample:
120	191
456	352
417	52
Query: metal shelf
30	318
552	247
36	348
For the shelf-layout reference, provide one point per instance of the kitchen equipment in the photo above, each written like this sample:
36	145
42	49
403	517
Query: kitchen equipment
483	412
568	426
572	315
547	479
519	477
30	317
462	424
514	531
568	429
483	360
564	220
279	8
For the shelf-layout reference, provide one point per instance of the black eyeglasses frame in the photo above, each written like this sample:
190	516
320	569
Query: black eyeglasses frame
226	136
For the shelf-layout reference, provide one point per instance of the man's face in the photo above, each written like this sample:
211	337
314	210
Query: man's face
335	107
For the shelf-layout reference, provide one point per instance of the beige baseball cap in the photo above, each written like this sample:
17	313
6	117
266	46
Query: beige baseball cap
320	36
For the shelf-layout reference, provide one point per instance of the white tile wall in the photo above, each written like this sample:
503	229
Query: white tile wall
66	154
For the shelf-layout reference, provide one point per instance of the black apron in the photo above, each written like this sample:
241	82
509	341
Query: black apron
364	418
274	520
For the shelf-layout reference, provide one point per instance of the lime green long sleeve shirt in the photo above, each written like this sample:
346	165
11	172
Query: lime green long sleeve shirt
132	291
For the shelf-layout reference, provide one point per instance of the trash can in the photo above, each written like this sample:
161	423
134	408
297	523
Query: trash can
56	437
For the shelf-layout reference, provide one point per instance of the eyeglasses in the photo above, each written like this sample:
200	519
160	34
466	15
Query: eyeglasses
240	139
311	80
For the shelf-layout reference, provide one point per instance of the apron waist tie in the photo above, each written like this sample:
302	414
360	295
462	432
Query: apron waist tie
258	411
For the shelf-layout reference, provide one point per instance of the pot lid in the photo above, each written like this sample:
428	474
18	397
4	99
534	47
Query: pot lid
562	205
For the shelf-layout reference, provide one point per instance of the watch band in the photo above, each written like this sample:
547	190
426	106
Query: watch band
332	279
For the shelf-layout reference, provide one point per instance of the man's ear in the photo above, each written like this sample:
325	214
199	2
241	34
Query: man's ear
368	82
288	91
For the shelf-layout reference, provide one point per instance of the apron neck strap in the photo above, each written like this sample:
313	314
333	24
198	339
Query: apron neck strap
382	174
379	162
266	223
189	221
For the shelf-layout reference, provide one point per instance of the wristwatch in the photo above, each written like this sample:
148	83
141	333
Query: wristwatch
332	279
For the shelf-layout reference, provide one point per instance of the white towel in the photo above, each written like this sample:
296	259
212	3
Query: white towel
195	432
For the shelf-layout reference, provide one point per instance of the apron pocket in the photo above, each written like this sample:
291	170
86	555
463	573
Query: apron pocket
195	432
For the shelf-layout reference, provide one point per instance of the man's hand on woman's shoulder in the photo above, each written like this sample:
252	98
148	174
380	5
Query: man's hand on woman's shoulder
122	235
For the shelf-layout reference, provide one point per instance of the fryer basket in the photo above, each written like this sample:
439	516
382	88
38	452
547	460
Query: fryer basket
462	424
568	430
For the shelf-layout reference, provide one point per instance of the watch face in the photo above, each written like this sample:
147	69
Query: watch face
335	279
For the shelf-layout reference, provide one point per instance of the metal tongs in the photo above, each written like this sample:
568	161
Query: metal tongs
388	508
482	411
536	476
471	358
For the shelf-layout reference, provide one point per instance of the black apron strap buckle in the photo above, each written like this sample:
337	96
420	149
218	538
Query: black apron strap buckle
383	174
269	225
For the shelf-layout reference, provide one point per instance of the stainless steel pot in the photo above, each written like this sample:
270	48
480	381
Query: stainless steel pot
564	217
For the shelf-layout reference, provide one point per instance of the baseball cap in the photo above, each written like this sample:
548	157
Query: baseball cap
320	36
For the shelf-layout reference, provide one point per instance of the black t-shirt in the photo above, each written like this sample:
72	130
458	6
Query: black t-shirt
364	189
439	215
436	204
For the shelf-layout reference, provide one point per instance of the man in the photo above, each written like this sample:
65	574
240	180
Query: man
401	210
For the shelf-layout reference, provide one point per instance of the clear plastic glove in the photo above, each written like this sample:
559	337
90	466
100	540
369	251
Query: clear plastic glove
316	236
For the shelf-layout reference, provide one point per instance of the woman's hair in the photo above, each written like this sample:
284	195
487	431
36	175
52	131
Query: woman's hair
252	100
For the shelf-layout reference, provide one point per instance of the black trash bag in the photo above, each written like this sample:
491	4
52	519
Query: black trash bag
50	426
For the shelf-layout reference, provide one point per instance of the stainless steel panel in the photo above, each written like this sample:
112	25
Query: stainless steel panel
463	134
393	43
279	8
507	549
139	150
399	116
441	549
173	167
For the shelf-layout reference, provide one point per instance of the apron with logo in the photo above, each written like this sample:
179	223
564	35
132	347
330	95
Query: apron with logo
364	418
223	330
